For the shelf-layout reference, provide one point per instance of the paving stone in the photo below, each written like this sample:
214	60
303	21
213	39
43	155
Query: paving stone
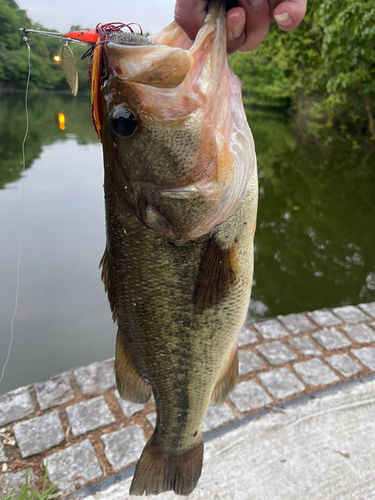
73	467
16	480
314	372
324	318
151	418
330	339
97	377
54	392
216	416
271	329
305	346
368	308
281	383
344	364
248	362
39	434
350	314
128	408
89	415
276	353
366	356
3	455
249	396
15	405
123	447
296	323
246	337
360	333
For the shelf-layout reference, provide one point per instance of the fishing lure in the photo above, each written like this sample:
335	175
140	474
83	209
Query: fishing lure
94	38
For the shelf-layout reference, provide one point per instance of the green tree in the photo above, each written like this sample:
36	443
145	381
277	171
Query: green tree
45	73
348	51
324	69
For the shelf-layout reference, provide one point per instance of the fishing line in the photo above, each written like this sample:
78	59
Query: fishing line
25	39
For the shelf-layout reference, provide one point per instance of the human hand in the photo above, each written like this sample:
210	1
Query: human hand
247	24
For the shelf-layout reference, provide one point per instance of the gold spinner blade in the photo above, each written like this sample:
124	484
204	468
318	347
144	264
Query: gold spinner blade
69	67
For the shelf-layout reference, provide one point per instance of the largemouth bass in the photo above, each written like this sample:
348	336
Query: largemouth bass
181	200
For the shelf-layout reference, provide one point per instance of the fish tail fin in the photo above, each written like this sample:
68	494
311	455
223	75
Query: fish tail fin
227	382
129	383
157	471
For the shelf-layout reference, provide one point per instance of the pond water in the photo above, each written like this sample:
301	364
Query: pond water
314	244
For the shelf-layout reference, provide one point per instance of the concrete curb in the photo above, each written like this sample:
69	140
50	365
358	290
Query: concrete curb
78	418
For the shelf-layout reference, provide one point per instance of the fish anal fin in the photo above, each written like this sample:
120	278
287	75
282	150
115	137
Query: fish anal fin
157	472
217	274
129	383
227	382
104	266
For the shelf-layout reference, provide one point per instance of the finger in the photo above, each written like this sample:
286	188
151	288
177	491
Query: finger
190	15
258	18
236	34
288	15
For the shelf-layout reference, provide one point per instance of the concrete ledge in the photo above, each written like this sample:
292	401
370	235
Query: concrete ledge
344	397
280	359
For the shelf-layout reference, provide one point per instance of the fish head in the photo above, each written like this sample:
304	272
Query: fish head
178	151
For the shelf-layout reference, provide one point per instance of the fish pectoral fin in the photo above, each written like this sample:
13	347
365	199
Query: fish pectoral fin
104	266
227	382
157	472
130	384
217	275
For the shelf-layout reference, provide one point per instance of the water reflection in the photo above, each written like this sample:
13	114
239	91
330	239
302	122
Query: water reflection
314	243
44	109
63	318
315	237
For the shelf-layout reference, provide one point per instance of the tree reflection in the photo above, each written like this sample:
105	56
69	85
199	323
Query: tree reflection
44	129
314	245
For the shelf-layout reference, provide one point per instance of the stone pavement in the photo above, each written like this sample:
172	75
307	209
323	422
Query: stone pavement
316	449
77	425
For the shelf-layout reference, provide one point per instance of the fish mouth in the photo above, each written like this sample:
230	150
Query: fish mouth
188	101
155	66
172	56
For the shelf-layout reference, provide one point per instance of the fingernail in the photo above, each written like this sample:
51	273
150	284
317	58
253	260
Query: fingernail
256	3
283	19
238	29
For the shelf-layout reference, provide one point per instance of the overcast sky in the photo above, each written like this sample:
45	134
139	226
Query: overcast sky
152	15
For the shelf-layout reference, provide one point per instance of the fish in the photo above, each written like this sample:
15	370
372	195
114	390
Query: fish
180	184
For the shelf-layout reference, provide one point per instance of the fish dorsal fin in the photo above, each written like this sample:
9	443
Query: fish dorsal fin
154	65
104	266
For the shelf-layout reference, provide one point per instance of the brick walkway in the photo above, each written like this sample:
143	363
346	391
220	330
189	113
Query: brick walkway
78	425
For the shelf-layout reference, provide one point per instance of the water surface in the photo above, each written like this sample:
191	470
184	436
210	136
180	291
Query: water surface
314	243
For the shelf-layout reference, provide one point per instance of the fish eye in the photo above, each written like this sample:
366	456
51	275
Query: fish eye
124	123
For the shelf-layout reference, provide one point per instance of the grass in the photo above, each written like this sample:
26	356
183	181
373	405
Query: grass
27	493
